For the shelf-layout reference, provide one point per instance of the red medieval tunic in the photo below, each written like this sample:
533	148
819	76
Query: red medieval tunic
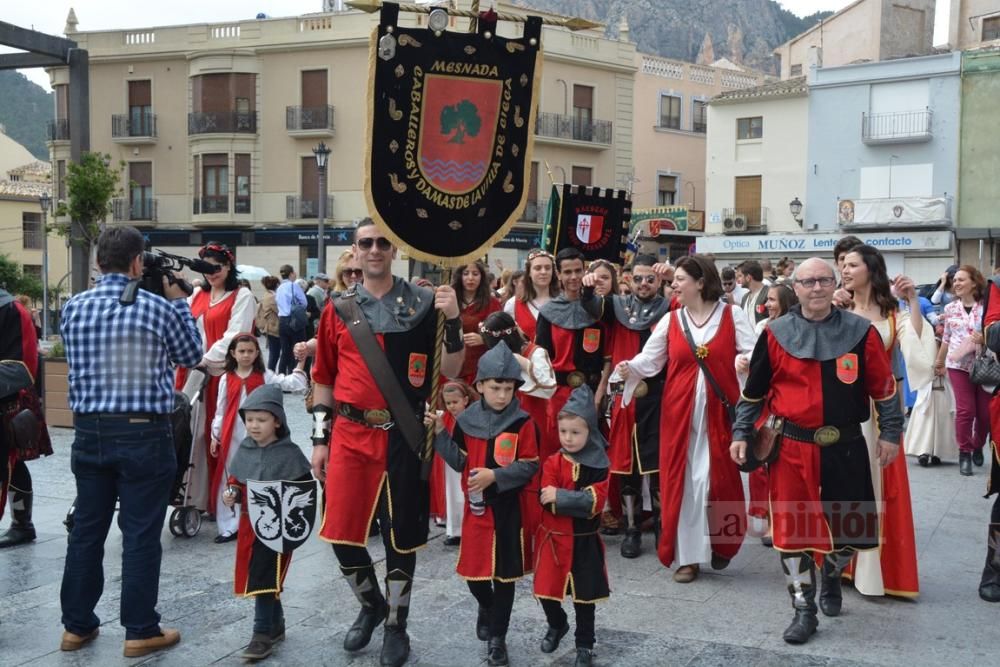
578	350
634	441
259	570
496	545
19	342
822	498
436	481
471	317
991	315
364	461
569	552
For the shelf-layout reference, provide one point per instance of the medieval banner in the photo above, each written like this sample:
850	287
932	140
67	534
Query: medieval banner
594	222
282	513
450	133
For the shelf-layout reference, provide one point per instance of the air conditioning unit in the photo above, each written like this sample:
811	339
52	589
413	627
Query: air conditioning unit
739	223
727	225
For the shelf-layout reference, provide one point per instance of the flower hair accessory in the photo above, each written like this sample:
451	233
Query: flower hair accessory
496	333
220	249
535	254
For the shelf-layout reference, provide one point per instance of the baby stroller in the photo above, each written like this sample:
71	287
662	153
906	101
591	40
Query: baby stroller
184	520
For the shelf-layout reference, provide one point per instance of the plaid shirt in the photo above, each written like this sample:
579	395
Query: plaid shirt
120	356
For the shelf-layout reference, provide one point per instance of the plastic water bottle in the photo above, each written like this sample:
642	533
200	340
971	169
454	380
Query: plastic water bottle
477	504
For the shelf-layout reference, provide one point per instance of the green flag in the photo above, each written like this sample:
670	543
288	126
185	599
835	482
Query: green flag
550	229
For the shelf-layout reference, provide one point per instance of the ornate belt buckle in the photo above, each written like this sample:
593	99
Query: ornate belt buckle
641	389
576	379
826	435
377	417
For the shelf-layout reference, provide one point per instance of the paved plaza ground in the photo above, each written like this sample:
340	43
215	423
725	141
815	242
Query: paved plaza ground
734	617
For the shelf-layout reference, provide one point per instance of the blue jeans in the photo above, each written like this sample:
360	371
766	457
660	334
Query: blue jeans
133	463
267	614
273	352
288	339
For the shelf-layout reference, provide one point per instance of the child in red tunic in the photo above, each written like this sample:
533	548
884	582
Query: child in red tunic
267	454
494	446
570	553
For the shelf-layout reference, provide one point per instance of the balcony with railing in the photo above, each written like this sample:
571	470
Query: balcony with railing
303	208
309	121
744	220
133	128
209	204
902	127
59	129
127	210
574	128
222	122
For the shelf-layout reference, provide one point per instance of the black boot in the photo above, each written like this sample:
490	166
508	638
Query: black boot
831	597
632	544
21	529
965	464
584	657
373	608
989	586
977	457
496	652
483	624
395	641
800	573
550	642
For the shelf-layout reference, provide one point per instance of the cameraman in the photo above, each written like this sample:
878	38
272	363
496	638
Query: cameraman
121	394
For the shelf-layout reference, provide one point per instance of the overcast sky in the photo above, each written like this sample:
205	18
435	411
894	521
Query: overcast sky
50	15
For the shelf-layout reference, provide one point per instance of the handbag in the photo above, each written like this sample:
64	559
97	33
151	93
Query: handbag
985	369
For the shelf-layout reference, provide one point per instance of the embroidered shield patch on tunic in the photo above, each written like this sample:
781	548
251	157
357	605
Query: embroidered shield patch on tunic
417	369
505	449
591	340
847	368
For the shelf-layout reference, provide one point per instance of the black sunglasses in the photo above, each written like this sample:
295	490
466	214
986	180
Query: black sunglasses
383	243
638	280
354	273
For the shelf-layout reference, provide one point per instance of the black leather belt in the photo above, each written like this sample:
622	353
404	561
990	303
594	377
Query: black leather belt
575	379
131	417
380	419
824	436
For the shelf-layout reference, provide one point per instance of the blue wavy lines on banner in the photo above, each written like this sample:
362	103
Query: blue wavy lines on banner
450	170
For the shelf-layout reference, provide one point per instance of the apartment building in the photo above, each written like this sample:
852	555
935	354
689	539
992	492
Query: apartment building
217	125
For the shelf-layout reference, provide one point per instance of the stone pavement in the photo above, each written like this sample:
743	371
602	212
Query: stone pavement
724	618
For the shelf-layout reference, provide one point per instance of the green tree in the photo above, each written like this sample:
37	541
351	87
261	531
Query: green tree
14	280
91	184
462	118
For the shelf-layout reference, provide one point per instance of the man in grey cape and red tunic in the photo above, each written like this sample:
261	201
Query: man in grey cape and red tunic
818	369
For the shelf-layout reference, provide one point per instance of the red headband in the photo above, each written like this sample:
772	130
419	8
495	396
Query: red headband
220	249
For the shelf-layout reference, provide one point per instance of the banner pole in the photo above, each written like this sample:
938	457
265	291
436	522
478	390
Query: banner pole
428	457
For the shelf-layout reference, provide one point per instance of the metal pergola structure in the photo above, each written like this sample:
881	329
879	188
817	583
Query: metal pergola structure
42	50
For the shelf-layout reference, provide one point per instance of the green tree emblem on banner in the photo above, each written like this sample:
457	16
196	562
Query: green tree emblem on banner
462	118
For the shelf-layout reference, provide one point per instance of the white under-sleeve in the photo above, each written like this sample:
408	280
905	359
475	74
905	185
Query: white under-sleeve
650	360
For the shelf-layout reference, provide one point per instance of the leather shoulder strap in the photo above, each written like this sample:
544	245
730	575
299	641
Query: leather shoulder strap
730	410
388	385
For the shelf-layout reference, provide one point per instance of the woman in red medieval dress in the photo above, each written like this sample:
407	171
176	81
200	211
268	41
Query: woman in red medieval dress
703	516
892	570
221	310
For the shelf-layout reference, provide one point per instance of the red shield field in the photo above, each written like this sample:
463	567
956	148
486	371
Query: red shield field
458	126
589	227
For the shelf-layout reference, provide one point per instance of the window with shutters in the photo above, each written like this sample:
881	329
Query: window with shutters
796	70
310	188
670	112
61	180
241	162
32	234
583	176
140	108
666	190
215	183
583	113
140	176
991	28
223	103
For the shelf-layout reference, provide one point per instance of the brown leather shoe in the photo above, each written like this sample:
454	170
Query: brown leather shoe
139	647
685	574
74	642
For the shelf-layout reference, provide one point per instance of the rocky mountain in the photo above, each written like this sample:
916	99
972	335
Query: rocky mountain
744	31
25	111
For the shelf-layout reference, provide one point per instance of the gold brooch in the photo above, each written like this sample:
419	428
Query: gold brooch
701	352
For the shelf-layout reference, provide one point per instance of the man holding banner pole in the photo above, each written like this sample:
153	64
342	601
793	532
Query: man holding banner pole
375	351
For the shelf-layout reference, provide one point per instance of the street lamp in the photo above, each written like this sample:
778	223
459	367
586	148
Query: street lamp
45	201
795	207
322	153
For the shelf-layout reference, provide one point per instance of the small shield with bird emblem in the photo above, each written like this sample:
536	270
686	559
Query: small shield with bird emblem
282	513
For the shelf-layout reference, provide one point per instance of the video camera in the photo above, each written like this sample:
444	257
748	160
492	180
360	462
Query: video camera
156	266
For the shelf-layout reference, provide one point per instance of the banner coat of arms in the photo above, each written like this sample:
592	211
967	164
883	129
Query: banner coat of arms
450	135
282	513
